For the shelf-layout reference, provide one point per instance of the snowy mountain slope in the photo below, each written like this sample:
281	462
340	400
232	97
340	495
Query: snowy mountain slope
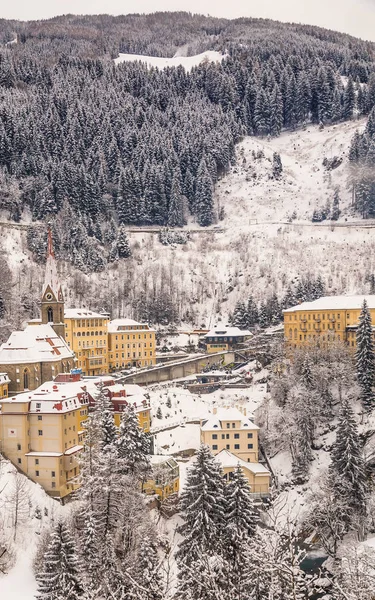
250	192
188	62
255	250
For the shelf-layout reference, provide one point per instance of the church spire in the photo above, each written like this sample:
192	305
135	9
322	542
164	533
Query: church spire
52	296
51	278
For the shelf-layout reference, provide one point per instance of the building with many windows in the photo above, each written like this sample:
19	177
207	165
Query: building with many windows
223	338
42	432
165	479
4	385
233	439
86	333
130	344
326	319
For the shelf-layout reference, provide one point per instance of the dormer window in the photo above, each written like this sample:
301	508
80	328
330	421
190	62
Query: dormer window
215	426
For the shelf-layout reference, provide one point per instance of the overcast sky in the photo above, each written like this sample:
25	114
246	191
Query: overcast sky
352	16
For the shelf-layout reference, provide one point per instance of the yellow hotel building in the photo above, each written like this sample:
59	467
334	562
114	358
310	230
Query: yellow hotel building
130	344
233	439
41	432
4	385
86	333
326	319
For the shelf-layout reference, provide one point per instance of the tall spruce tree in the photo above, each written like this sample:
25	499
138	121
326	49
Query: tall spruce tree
365	359
59	577
348	467
133	446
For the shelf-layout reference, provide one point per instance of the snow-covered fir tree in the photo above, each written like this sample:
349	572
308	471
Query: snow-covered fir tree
349	480
365	358
60	573
133	446
202	511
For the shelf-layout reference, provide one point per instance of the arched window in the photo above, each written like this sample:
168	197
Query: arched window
61	315
295	334
50	315
26	379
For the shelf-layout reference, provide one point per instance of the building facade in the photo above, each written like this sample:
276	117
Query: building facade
233	438
42	433
86	334
130	344
325	320
221	339
33	356
165	479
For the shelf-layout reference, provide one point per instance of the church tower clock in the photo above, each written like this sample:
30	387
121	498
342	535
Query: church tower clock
52	296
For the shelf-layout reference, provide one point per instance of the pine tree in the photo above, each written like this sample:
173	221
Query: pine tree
365	359
277	167
175	212
133	446
306	373
122	243
148	572
348	467
349	99
204	203
240	316
59	576
202	508
252	316
336	206
159	414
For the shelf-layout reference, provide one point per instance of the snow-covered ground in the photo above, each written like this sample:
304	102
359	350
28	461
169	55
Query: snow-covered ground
188	62
36	511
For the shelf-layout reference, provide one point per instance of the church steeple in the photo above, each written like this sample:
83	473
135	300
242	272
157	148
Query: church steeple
52	296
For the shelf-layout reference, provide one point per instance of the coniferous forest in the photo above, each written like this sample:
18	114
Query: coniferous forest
90	145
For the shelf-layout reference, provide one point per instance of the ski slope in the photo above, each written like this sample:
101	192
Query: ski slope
188	62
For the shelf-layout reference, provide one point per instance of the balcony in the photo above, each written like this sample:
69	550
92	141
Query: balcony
318	319
332	319
303	328
303	319
317	328
95	361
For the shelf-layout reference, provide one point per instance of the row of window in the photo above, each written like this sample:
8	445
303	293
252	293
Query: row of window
134	345
236	446
88	323
127	337
135	355
227	436
89	333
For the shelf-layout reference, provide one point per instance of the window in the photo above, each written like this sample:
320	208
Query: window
214	436
36	473
53	484
26	379
228	446
233	425
37	461
250	446
40	431
19	461
236	436
227	436
40	418
18	446
223	436
53	474
228	425
236	446
214	447
249	435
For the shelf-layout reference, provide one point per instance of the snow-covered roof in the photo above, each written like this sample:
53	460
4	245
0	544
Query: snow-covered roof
132	389
36	344
125	324
44	454
160	459
51	398
334	303
226	331
229	460
72	450
214	422
83	313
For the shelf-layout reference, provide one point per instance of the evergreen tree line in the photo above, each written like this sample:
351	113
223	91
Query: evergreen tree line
361	162
110	548
316	388
269	312
123	144
222	553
